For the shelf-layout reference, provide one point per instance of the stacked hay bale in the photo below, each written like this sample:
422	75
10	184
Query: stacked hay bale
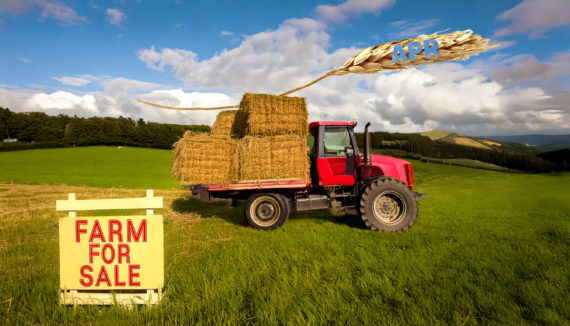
270	115
200	158
274	130
269	142
224	123
273	157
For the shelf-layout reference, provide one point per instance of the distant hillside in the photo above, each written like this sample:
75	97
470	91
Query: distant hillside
444	145
537	140
480	142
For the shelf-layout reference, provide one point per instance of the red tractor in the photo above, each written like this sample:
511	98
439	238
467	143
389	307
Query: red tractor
379	188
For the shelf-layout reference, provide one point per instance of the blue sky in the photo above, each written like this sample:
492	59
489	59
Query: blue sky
94	58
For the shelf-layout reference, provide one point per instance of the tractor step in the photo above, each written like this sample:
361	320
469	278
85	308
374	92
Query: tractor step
313	202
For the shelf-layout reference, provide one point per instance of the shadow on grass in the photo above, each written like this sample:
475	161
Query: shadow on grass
235	215
217	208
325	216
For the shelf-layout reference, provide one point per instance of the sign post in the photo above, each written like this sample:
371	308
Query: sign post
108	260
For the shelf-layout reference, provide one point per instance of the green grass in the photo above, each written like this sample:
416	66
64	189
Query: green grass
486	248
99	166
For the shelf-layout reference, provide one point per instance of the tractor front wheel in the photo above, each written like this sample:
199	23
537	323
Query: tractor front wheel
267	211
388	205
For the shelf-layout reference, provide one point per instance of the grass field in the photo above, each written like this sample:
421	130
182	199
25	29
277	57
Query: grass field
98	166
486	248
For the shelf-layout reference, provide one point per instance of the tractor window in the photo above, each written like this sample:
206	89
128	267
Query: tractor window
337	141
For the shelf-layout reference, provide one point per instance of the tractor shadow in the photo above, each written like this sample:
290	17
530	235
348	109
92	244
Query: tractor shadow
328	216
221	208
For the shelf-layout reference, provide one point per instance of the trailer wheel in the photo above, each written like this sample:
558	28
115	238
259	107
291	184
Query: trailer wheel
267	211
388	205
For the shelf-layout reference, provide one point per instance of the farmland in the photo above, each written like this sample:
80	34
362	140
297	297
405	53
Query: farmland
487	247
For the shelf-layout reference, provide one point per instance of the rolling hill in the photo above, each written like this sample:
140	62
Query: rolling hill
508	145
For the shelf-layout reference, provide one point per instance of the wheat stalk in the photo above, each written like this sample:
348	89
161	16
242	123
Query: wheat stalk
455	46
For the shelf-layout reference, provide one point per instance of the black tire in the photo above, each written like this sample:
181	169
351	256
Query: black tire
267	211
388	204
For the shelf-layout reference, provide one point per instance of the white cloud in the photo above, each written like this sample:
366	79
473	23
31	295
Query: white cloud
351	8
281	58
105	104
50	9
410	29
60	100
527	69
118	85
226	33
115	16
72	81
26	60
474	98
450	96
535	17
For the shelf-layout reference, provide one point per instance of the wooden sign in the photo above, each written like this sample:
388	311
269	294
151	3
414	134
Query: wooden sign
104	253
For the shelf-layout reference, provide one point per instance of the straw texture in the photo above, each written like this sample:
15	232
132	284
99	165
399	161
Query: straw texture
224	123
273	157
454	46
200	158
270	115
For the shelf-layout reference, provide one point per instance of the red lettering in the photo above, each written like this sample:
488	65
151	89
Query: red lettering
78	230
96	232
132	275
103	277
113	231
131	231
92	252
124	251
87	280
104	251
117	282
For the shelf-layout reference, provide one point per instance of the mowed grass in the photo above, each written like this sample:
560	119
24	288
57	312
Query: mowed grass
486	248
97	166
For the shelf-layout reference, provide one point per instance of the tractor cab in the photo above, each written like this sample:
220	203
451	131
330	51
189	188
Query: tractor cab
336	160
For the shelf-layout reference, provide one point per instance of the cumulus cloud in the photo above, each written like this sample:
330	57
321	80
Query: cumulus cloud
481	97
49	9
465	98
534	17
118	85
115	16
351	8
105	104
528	70
280	58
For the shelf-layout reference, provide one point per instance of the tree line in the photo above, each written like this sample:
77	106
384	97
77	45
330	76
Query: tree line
423	145
39	130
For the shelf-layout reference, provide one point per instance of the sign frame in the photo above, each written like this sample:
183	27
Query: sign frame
81	241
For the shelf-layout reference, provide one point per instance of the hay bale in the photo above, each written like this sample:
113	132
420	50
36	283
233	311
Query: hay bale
224	122
200	158
273	157
270	115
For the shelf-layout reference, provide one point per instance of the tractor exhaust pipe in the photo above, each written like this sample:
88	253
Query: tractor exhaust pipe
367	157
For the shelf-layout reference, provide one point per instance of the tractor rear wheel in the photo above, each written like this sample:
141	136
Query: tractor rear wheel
388	204
267	211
